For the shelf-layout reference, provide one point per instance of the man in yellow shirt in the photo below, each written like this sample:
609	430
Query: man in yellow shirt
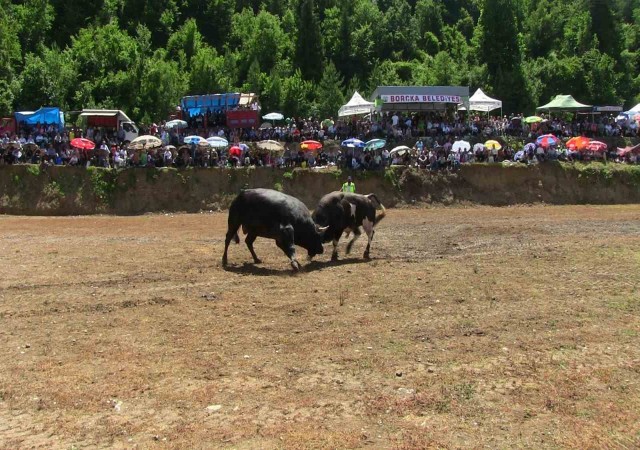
349	187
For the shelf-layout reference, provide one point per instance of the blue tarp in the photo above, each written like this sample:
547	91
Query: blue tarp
46	115
195	104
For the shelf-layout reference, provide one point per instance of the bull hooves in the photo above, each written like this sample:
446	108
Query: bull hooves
334	257
257	261
224	262
366	256
295	265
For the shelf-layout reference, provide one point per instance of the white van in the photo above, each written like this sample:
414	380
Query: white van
114	119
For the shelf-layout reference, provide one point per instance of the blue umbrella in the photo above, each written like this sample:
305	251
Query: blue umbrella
519	156
530	147
375	144
243	146
194	140
353	142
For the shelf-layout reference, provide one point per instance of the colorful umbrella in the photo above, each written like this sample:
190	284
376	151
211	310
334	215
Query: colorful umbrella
217	142
493	145
533	119
547	140
175	123
375	144
577	143
235	151
597	146
530	147
198	140
519	156
310	145
82	143
353	142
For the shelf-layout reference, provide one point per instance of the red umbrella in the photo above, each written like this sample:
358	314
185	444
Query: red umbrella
310	145
597	146
84	144
627	150
577	143
235	151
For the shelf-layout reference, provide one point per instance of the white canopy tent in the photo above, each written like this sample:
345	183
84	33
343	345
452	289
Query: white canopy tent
482	102
357	105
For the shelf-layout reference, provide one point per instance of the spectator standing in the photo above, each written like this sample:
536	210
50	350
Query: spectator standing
349	186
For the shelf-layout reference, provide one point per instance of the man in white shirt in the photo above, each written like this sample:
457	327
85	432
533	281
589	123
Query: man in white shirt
395	119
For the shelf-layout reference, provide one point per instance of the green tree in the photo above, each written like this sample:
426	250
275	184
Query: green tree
34	18
309	54
161	87
330	91
500	49
47	79
207	74
9	58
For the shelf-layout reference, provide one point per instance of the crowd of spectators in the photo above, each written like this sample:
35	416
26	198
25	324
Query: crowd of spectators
433	134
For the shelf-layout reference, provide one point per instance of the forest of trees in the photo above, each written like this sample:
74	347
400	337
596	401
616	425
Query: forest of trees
305	57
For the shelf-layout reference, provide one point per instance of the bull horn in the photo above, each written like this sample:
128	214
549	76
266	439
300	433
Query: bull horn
320	229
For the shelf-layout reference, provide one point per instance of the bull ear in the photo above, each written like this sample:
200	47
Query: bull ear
320	229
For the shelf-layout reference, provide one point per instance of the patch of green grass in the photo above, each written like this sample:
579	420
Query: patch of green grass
103	183
53	190
464	391
288	175
391	177
33	169
277	186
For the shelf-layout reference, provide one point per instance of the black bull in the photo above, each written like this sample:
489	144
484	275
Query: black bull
342	212
272	214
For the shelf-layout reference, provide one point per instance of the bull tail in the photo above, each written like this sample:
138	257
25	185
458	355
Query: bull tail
383	211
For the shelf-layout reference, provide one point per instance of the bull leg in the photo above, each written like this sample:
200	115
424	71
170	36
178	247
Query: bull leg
251	238
336	238
287	245
232	234
356	235
368	228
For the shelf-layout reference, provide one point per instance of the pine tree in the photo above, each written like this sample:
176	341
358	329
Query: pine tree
309	44
330	91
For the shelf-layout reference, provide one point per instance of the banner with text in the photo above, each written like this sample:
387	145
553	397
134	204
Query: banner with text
421	99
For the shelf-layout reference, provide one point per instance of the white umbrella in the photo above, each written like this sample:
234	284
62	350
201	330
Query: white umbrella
266	125
146	141
460	146
175	123
270	145
218	142
198	140
400	150
478	147
273	116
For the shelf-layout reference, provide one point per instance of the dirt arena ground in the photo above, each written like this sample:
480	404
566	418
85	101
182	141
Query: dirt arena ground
470	328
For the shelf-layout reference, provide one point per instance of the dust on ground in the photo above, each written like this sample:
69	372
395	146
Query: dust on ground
470	327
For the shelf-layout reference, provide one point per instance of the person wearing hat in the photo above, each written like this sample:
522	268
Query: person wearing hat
349	187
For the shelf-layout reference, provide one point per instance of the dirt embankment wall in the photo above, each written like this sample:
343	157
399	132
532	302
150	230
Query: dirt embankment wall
35	190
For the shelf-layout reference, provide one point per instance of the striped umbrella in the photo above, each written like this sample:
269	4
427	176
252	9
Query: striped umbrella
547	140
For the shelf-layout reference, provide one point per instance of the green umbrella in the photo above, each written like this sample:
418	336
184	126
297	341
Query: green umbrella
533	119
327	122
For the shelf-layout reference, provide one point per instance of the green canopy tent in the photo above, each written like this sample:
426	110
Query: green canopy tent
564	103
